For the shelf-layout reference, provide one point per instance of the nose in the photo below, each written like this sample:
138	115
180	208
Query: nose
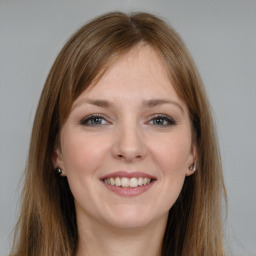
129	144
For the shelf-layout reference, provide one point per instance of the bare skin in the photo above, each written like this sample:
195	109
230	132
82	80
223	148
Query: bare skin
98	240
130	125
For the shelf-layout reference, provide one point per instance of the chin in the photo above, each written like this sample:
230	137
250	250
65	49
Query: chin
127	217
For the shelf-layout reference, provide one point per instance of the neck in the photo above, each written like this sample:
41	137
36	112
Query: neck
98	240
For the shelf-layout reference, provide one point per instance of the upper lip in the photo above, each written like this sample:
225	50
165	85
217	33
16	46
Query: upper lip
129	175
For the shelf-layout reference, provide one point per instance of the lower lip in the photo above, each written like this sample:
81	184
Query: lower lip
128	192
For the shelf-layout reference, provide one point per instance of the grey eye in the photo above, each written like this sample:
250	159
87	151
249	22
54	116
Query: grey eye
93	120
162	120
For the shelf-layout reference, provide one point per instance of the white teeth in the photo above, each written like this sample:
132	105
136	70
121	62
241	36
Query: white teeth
118	182
146	181
140	181
133	182
112	181
126	182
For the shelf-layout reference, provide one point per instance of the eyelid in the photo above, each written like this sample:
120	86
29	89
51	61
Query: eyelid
171	121
91	116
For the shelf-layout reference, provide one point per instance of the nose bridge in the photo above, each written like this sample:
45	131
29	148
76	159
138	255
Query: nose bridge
129	143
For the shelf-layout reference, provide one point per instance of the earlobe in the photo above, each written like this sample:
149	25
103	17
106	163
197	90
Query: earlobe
58	171
57	161
192	167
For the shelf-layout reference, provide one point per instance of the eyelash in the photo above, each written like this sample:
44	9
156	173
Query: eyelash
90	118
162	120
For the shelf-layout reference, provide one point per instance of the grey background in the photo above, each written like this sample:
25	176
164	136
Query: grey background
221	36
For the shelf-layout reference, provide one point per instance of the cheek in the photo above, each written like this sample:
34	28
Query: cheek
82	156
171	159
172	154
81	153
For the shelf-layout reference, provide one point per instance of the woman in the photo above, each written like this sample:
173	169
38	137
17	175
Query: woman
123	156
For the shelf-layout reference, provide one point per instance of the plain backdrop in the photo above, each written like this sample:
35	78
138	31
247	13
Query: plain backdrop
221	36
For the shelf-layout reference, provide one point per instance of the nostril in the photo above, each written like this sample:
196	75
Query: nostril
129	157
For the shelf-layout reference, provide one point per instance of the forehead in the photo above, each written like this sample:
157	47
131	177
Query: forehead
139	72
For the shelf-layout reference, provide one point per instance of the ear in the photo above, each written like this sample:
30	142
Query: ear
57	160
191	167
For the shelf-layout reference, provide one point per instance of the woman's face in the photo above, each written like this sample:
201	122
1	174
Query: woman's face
126	146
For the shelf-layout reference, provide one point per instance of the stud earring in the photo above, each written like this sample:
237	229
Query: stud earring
192	167
58	171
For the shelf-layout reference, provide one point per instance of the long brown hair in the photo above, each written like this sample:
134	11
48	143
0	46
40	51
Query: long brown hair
47	223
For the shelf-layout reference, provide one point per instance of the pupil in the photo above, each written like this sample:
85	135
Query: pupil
96	120
159	121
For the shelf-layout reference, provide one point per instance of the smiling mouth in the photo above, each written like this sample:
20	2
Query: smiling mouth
127	182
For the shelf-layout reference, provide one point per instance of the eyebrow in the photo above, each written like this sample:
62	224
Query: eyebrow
157	102
147	103
99	103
